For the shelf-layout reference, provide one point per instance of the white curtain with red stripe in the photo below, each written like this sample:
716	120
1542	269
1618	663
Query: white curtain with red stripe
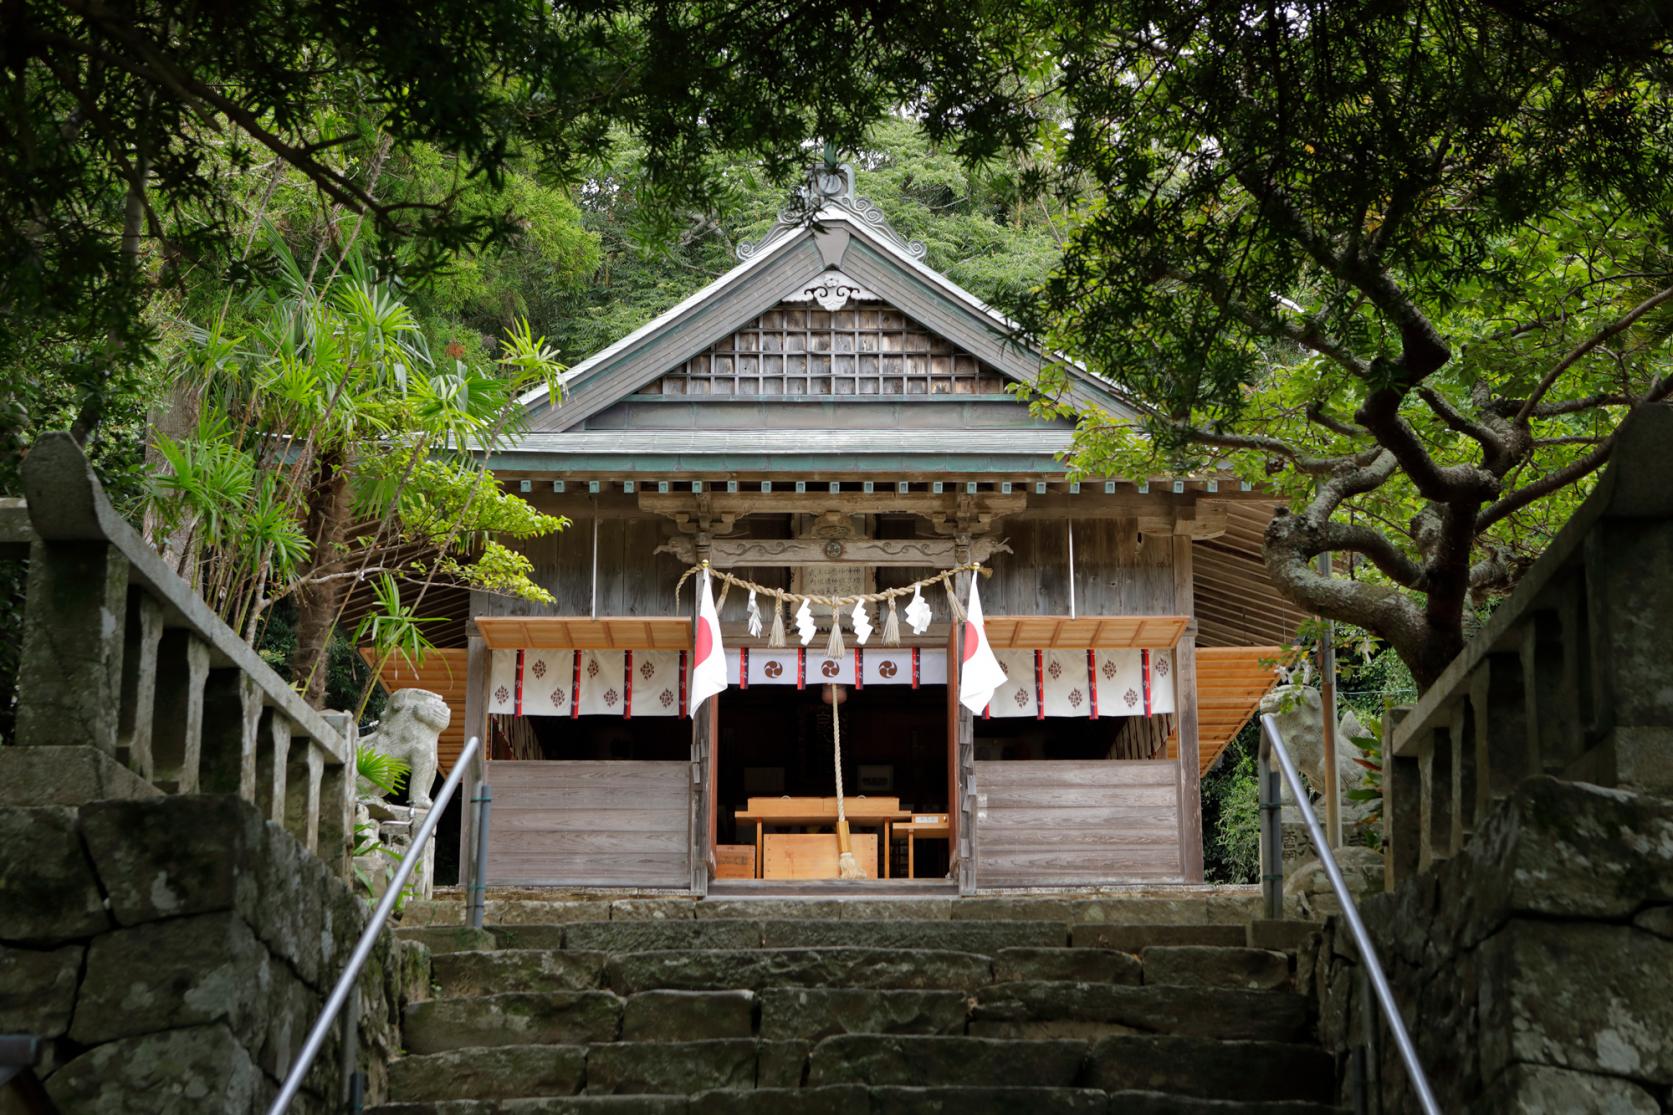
1070	683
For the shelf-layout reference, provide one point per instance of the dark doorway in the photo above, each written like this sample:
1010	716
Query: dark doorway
776	741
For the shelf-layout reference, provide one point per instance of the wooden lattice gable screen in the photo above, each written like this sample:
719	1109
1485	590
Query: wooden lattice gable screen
861	349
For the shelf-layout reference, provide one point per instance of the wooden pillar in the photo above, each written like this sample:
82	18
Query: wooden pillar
1185	705
705	729
477	659
963	792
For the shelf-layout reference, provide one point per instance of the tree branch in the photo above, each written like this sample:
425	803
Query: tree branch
1310	336
1618	325
1575	470
1423	349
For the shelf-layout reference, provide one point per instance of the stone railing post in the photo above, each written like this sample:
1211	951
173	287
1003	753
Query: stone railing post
335	832
139	683
70	675
142	685
177	730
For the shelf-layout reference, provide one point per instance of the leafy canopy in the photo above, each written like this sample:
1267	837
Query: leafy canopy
1404	261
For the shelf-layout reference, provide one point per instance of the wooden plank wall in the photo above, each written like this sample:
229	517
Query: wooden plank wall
1062	822
607	823
633	580
1118	572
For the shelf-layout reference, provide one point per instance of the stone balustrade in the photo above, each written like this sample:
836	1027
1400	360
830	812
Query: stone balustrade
1567	678
130	686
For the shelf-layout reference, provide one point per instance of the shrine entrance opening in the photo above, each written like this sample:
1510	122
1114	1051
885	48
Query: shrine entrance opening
775	781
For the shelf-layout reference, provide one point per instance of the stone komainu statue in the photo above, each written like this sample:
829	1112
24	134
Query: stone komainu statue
412	721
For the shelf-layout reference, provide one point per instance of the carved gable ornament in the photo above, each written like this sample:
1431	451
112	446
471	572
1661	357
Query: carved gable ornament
833	291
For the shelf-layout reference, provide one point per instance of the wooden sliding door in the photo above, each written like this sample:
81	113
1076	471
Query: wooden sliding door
1056	822
613	823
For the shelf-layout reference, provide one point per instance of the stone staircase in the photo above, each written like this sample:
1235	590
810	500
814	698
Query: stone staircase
888	1007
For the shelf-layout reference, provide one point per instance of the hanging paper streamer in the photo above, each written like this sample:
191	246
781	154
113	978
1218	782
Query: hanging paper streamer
917	612
860	622
754	616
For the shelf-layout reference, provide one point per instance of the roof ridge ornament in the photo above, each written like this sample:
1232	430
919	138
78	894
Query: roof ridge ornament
829	188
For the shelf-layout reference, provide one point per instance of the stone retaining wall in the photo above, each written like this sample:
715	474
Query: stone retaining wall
1535	969
174	952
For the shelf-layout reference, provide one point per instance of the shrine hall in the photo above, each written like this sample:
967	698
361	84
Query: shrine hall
823	445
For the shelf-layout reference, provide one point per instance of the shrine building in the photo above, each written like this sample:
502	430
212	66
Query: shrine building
830	419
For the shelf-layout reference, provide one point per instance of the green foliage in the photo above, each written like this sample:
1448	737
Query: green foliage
1404	263
391	628
138	137
1231	813
377	773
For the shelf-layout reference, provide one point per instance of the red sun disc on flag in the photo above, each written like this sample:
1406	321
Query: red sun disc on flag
705	640
971	638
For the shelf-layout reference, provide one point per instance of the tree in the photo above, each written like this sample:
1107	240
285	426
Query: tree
979	226
332	450
1405	262
128	132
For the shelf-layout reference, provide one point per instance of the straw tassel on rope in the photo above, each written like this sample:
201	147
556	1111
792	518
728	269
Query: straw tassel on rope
891	626
952	600
775	638
834	648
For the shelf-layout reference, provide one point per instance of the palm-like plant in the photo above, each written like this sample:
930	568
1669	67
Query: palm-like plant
331	449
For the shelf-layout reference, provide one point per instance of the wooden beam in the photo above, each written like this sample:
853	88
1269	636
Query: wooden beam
912	553
1185	700
676	504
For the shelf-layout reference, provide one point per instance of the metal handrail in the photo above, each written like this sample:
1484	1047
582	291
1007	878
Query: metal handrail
1272	880
368	938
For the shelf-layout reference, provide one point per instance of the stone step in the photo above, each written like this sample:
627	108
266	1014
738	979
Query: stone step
688	1015
1090	965
739	933
673	1067
1138	937
858	1100
954	936
512	1018
1165	906
809	1014
704	969
1213	966
497	1072
1091	1010
462	974
553	1105
441	939
1240	1071
925	1060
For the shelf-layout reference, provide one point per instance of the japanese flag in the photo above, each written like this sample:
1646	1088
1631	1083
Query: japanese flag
981	672
708	659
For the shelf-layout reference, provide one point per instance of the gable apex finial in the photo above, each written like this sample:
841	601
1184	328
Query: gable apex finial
829	186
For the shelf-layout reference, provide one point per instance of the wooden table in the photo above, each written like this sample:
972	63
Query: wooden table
761	812
933	825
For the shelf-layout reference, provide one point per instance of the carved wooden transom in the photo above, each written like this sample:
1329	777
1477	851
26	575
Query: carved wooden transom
861	350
